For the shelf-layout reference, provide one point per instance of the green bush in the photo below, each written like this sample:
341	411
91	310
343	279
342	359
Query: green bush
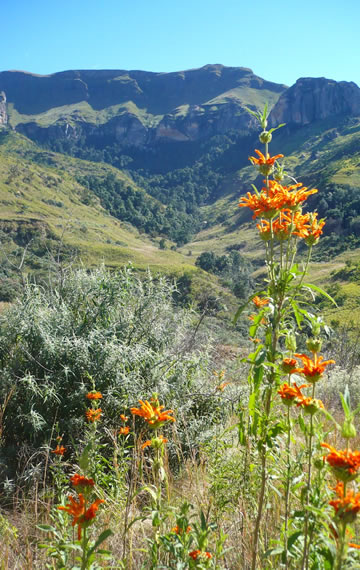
116	329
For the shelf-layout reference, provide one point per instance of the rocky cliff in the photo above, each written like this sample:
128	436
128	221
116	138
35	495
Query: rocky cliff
314	99
3	111
136	107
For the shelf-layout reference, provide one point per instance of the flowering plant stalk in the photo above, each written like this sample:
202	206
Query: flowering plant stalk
84	504
281	225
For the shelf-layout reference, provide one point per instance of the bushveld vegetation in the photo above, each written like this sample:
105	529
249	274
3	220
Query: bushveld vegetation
127	442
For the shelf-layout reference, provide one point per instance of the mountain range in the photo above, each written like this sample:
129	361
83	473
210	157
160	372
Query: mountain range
163	157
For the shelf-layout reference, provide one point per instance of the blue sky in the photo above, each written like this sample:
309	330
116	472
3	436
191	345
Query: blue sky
280	40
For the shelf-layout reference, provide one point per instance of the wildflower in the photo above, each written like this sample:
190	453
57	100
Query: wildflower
312	369
93	415
81	481
315	229
77	510
348	506
265	164
124	418
263	204
352	545
345	464
59	450
291	394
258	302
178	530
310	405
222	386
94	395
124	430
153	414
292	196
195	554
156	442
288	365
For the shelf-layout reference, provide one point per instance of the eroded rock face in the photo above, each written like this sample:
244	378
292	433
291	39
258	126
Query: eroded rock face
313	99
139	108
3	112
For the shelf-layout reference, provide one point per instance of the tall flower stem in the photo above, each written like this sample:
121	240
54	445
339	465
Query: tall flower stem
305	561
263	481
287	489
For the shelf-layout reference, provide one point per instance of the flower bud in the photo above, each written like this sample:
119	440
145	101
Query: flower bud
265	137
279	173
348	429
314	345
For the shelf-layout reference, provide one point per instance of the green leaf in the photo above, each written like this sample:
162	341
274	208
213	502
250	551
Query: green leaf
103	536
46	527
293	538
319	290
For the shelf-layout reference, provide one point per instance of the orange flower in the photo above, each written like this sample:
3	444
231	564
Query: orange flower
291	196
288	365
352	545
222	386
345	464
90	513
310	405
80	480
291	394
262	204
77	510
124	418
93	415
124	430
195	554
94	395
315	230
262	160
177	530
152	413
258	302
59	450
155	442
312	369
346	507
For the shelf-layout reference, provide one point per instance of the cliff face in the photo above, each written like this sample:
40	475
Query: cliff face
136	107
3	112
312	99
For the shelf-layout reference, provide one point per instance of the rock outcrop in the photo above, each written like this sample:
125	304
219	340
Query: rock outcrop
3	112
314	99
136	108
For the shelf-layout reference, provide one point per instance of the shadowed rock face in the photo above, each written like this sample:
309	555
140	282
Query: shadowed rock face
151	107
313	99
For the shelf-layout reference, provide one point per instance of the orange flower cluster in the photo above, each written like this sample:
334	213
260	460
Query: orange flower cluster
305	226
153	414
293	395
346	507
288	365
81	481
196	554
264	160
258	302
344	463
312	369
94	395
124	430
81	515
155	442
93	415
274	198
59	450
177	530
